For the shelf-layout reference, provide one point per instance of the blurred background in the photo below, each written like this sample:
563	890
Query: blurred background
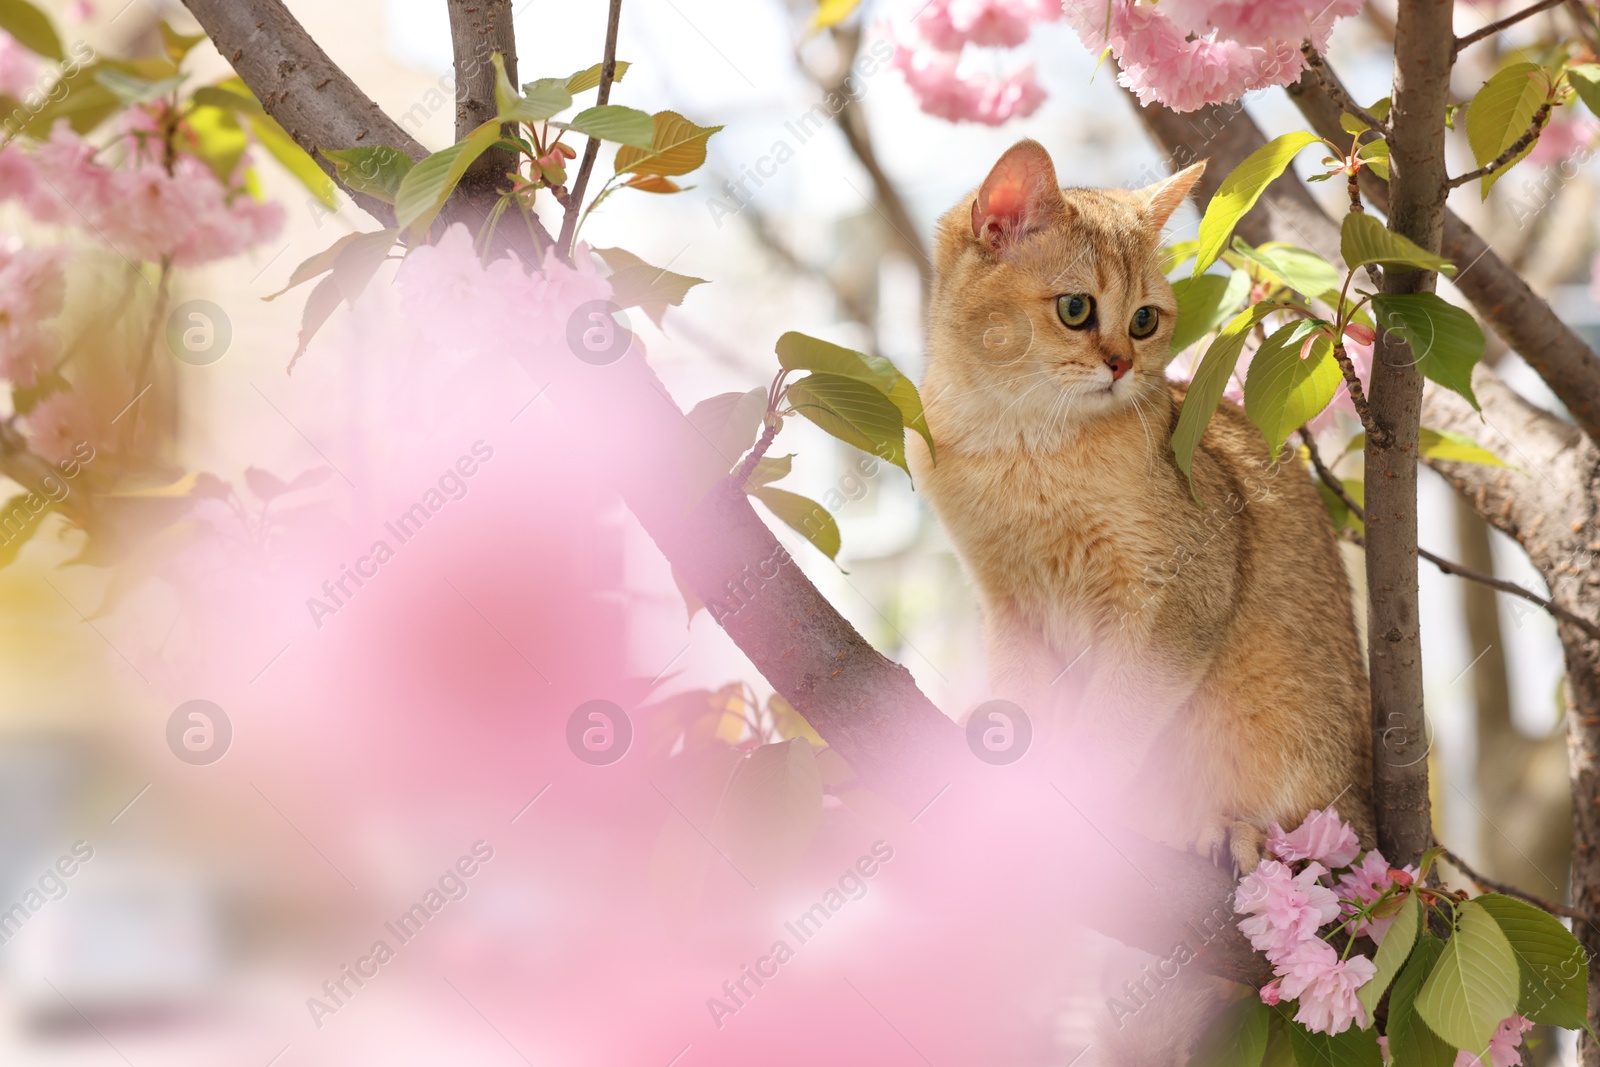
368	752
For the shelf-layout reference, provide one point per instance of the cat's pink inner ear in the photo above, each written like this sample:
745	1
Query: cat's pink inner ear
1163	198
1016	196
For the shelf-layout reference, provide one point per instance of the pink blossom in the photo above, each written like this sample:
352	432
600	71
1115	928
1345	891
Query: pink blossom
1285	908
1321	836
947	25
1328	1001
58	424
1503	1045
19	68
1363	885
1257	22
1161	61
1562	139
1272	992
32	288
940	90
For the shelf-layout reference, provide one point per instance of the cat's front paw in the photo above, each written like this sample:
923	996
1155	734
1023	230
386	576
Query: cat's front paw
1231	844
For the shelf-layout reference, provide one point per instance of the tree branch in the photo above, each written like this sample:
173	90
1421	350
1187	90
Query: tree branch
478	30
1513	150
1489	885
608	74
1501	296
1495	27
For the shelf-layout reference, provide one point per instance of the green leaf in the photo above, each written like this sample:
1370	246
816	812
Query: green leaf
769	469
131	89
1411	1043
79	99
541	99
233	95
1279	1053
359	260
613	122
1305	272
635	283
320	263
1376	154
853	411
178	45
320	305
1352	1048
773	808
1444	340
1363	239
1240	190
1474	985
1238	1037
676	147
1585	81
803	515
729	421
590	78
1176	253
801	352
1392	952
1553	968
1352	125
1282	392
219	140
1501	112
426	186
376	170
1204	303
1455	447
1210	382
32	29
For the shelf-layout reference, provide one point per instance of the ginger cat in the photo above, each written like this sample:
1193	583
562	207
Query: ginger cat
1205	653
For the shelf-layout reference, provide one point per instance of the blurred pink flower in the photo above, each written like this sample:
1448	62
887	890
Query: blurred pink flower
943	92
949	24
31	291
1503	1045
1321	836
80	11
1160	62
140	210
1285	908
1561	139
58	424
1365	883
1360	353
19	68
1257	22
1325	986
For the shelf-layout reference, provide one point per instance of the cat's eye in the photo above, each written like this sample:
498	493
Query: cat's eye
1145	321
1075	309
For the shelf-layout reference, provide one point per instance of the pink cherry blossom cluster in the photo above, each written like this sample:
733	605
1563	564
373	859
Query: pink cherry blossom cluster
1189	53
145	209
944	28
32	288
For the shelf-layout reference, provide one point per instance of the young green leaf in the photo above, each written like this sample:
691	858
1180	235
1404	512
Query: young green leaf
1176	253
359	260
233	95
1411	1043
1240	190
133	90
854	412
320	263
1238	1036
590	78
1204	303
769	469
218	140
178	45
321	304
32	29
1444	445
805	516
1474	985
800	352
426	186
1501	112
1376	155
729	421
676	147
79	99
540	100
1352	1048
1363	239
1210	381
1392	953
635	283
613	122
1305	272
1445	341
1585	81
376	170
1553	968
1282	391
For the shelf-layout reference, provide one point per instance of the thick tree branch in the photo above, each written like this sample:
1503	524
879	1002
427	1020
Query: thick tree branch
478	30
1495	27
1502	298
608	74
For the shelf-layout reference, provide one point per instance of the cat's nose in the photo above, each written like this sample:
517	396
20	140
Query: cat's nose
1119	365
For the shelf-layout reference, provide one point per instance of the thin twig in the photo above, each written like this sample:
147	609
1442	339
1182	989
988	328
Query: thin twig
764	442
1514	149
1489	885
1510	20
1445	566
608	72
1336	93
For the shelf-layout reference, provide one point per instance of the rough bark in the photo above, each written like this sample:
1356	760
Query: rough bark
1502	298
479	29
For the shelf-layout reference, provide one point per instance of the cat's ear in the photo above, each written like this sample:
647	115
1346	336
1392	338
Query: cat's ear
1163	198
1017	197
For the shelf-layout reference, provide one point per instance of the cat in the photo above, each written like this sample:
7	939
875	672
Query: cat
1198	649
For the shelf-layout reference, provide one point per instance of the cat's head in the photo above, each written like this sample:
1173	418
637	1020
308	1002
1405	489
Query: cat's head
1049	304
